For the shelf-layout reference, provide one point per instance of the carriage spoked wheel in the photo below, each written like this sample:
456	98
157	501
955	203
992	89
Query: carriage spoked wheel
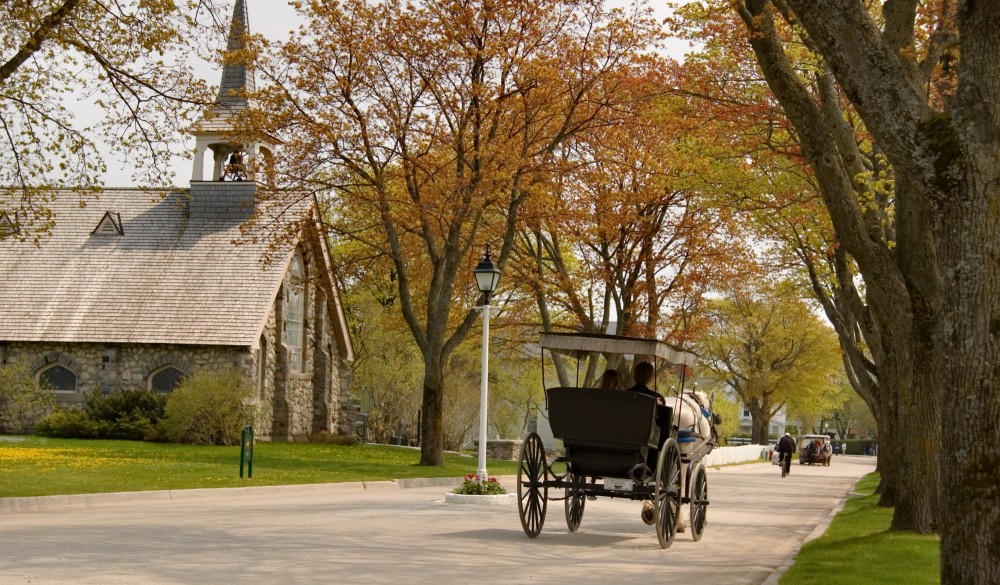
576	499
699	501
532	495
667	497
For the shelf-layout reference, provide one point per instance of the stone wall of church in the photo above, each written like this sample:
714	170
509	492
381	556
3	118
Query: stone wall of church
315	397
108	367
301	409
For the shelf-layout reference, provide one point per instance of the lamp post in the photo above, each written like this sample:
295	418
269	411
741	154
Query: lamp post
487	275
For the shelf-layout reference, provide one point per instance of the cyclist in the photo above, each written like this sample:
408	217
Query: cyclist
786	446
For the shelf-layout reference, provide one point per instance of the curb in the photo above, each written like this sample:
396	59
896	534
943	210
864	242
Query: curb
816	533
71	501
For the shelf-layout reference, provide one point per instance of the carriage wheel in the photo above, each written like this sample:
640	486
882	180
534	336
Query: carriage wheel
576	499
532	495
699	501
667	497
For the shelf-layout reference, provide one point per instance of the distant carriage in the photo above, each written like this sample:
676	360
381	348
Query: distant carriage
620	444
815	449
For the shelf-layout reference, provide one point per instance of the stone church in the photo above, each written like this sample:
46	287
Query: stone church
139	288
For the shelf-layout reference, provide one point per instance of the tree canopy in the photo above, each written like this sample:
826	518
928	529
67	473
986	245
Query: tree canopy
433	124
131	61
773	352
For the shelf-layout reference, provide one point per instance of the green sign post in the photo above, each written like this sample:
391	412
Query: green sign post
246	451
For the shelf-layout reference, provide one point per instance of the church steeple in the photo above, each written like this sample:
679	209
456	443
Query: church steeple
236	78
229	190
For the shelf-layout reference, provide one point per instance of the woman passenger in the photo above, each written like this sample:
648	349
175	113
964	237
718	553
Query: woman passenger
610	380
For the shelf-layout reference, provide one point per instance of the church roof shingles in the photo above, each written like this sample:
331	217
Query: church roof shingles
167	279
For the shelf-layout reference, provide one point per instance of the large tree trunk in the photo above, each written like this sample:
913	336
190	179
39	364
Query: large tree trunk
971	499
759	435
760	422
951	158
890	286
969	250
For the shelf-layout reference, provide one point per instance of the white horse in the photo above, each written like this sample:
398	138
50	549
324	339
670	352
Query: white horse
696	436
695	423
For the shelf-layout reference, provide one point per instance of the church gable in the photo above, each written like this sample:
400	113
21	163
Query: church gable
110	224
8	227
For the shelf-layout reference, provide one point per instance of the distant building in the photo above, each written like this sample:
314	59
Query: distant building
776	427
142	287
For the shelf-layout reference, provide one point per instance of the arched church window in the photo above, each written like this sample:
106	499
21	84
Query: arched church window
59	378
166	379
295	302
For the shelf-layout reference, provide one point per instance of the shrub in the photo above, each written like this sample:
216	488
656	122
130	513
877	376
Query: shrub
209	408
123	404
126	414
23	401
123	414
71	423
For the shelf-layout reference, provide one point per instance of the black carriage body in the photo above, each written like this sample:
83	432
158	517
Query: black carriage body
607	433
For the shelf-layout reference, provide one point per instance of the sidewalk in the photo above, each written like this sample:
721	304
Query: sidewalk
403	532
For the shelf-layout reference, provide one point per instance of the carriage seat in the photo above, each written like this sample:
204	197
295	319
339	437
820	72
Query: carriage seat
606	433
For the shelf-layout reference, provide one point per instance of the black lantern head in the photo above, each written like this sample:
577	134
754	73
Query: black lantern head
487	275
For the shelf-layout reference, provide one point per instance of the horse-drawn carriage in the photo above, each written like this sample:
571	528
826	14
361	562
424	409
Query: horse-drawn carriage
620	444
815	449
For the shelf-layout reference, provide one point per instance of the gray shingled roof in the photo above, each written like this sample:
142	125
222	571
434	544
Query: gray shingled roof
167	279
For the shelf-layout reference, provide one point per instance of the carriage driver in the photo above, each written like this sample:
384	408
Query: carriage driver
643	374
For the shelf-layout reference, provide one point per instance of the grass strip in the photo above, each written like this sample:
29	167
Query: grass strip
859	549
39	466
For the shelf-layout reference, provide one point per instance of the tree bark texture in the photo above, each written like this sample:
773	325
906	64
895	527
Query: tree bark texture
969	251
432	414
951	158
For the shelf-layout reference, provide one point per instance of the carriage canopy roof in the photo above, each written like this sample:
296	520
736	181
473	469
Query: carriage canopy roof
578	345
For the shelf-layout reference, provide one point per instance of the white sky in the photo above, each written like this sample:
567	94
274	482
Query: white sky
273	19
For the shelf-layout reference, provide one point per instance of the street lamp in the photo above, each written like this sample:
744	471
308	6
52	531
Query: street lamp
487	275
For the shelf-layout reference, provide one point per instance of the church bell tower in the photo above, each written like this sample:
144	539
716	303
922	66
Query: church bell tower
229	189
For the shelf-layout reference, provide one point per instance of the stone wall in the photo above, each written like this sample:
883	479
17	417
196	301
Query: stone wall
109	367
317	398
502	449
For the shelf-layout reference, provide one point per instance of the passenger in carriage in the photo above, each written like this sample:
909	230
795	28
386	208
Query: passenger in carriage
610	380
643	374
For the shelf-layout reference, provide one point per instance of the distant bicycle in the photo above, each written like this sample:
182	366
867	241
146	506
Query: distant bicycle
785	446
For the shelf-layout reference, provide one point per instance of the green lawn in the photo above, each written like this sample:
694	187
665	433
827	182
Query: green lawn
37	466
859	549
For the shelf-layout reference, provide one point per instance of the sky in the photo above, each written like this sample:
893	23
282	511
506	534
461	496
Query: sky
274	19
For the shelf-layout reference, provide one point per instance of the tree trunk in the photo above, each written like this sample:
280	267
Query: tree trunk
951	157
971	499
432	412
969	245
759	425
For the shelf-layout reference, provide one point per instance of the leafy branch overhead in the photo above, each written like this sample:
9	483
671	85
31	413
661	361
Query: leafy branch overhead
130	65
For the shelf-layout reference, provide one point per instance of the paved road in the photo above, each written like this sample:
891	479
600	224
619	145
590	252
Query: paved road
384	534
